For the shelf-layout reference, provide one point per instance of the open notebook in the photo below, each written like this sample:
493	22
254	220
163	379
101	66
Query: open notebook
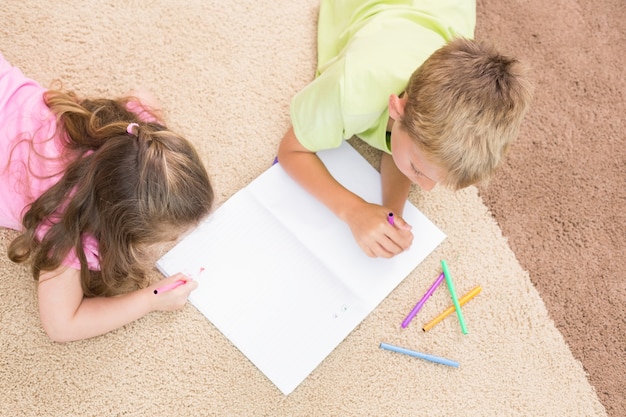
282	278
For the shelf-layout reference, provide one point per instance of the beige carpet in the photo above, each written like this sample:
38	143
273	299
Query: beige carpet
225	73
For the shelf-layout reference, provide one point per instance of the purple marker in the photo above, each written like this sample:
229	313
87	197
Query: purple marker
421	302
390	219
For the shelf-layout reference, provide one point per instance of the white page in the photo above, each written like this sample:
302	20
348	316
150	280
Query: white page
282	278
264	292
330	239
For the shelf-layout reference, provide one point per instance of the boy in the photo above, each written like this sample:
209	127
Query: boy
451	124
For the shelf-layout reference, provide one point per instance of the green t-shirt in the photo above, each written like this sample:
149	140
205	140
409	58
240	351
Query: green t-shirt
368	50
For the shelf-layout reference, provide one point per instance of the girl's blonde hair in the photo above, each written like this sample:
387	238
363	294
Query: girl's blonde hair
129	190
464	108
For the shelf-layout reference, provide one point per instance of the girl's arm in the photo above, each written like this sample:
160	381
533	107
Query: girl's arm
67	315
368	222
146	101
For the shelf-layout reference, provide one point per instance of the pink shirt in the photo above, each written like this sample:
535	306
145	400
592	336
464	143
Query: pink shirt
31	154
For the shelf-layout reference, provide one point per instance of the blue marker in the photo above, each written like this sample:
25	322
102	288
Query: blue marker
431	358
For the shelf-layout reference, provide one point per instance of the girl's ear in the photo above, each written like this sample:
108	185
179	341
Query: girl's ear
396	106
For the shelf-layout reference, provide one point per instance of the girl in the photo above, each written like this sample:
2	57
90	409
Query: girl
95	187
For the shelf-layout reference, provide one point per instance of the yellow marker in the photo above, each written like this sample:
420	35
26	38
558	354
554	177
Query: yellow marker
451	309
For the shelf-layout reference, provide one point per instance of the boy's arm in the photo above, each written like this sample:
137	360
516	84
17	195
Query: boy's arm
67	315
395	184
368	222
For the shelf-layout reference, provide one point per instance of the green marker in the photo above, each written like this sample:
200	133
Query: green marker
455	300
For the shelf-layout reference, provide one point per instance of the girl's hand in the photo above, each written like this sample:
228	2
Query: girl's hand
149	102
171	299
374	234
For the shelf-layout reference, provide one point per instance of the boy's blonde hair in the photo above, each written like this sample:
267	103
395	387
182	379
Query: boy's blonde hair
464	107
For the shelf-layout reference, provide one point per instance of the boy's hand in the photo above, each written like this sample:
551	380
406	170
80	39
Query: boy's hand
368	222
173	299
374	234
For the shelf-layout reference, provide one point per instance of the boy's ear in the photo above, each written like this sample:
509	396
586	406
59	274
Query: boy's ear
396	106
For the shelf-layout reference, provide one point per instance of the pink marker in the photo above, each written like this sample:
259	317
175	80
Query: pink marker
170	287
390	219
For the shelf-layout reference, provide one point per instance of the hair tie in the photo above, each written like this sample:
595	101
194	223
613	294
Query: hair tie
129	128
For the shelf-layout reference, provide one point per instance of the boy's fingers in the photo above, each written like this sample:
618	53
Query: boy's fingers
399	221
399	241
388	247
